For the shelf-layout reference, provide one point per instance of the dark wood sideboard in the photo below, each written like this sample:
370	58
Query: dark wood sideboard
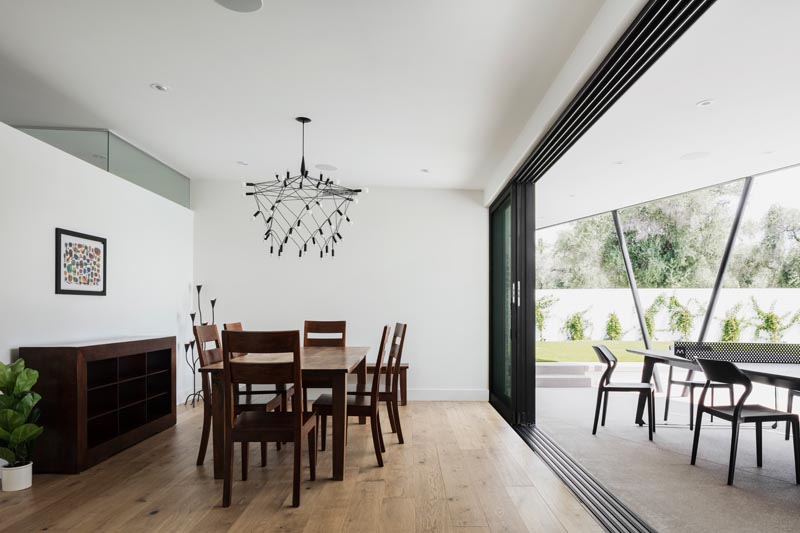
100	397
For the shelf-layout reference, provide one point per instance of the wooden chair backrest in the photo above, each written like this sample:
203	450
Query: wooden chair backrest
262	342
376	382
395	356
208	356
322	326
234	326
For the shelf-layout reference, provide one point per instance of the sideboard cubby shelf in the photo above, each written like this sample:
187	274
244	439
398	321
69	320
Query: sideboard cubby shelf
101	397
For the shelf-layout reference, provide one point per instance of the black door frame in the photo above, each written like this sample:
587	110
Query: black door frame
523	367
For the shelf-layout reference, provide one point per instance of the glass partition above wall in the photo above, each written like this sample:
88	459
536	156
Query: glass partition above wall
105	150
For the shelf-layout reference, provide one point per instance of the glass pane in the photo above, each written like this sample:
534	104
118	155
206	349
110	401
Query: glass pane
91	146
758	302
501	302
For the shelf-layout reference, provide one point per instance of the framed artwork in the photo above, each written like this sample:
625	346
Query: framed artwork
80	263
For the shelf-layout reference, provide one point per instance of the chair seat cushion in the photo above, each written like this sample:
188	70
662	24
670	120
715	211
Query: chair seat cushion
259	401
365	389
268	426
326	400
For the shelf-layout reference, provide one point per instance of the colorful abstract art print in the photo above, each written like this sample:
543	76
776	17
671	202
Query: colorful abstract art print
80	263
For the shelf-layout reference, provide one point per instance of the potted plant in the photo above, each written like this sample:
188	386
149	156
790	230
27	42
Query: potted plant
18	429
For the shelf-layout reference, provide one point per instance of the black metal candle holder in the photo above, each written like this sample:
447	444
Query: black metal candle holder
191	361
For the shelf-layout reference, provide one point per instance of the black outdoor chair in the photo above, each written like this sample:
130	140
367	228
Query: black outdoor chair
792	394
605	386
693	384
727	372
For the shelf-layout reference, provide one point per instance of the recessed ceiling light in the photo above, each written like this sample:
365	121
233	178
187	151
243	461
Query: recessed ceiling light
241	6
705	103
159	87
424	170
617	162
325	166
769	152
243	163
572	196
694	155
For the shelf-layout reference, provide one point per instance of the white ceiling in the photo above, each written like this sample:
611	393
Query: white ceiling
654	141
391	87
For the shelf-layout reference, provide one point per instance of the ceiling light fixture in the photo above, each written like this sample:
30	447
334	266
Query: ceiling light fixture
424	170
242	163
241	6
159	87
705	103
302	210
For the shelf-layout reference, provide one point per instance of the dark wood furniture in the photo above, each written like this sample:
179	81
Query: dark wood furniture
100	397
263	426
328	365
334	333
741	413
692	384
388	391
243	400
403	380
360	405
646	390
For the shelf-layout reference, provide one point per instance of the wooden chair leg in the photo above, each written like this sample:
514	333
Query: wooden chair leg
201	454
796	437
669	389
264	454
376	441
377	417
298	467
312	453
390	413
734	448
245	457
397	422
758	445
605	408
696	439
788	410
324	429
597	410
227	483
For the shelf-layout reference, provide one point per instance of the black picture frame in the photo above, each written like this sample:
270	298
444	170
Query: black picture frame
99	241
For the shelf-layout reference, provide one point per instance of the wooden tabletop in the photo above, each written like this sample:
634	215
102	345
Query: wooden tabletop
313	358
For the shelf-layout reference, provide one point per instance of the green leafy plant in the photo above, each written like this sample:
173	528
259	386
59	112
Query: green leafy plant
651	312
770	324
613	327
681	317
18	413
733	324
575	326
542	310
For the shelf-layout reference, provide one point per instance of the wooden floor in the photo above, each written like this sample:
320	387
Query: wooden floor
462	468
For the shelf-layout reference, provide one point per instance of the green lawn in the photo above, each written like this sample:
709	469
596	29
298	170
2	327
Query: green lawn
581	351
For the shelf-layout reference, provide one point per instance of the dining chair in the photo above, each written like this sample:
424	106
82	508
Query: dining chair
323	333
279	388
265	426
243	401
792	394
605	386
740	413
692	384
360	406
389	391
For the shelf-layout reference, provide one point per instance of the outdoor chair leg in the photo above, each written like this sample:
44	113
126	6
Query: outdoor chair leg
788	410
669	389
712	403
605	408
759	446
734	448
696	439
597	410
691	408
796	436
650	412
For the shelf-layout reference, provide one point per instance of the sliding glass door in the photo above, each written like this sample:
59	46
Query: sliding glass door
501	299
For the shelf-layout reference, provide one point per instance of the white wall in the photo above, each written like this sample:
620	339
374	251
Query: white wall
415	256
149	252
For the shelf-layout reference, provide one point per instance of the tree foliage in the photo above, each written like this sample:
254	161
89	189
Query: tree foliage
542	310
613	327
770	324
732	324
575	326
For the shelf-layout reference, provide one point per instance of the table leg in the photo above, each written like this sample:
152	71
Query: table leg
217	420
339	423
361	373
647	374
403	388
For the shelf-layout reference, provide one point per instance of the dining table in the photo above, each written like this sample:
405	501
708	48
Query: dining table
784	375
323	367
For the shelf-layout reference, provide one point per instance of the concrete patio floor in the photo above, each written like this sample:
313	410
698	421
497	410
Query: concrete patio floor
655	478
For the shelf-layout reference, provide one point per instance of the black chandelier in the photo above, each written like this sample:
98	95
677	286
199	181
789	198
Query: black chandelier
304	211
